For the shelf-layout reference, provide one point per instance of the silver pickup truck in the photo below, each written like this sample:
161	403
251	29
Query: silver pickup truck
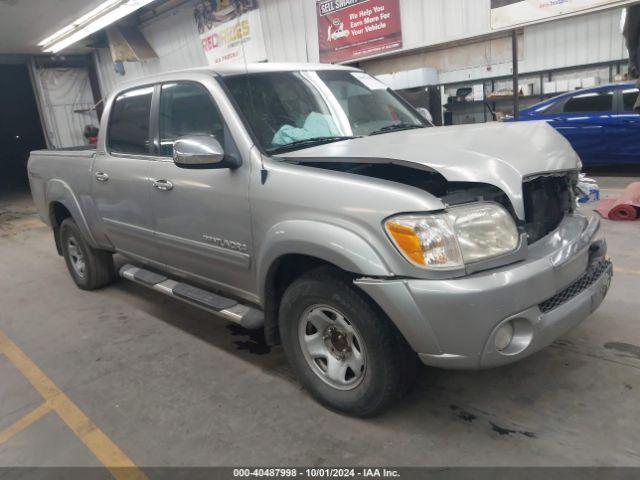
312	202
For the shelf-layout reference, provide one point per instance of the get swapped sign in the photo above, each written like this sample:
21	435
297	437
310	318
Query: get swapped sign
351	29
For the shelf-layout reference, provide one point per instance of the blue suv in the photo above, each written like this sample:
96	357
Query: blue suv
599	122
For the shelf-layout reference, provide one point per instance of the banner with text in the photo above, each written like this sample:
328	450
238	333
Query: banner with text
230	30
511	13
351	29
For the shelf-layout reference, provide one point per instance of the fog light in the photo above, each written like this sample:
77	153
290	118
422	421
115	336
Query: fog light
504	335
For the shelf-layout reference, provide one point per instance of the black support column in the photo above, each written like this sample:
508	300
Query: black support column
516	87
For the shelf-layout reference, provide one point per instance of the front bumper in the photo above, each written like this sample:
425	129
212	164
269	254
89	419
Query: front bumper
453	323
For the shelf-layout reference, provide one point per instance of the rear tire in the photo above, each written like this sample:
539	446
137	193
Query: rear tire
90	268
344	349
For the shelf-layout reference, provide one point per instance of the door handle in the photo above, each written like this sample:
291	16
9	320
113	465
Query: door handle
102	177
163	185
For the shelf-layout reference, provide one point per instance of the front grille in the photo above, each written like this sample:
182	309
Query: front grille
585	281
546	200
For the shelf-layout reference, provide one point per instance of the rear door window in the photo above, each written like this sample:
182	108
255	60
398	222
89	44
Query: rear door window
629	97
590	102
128	130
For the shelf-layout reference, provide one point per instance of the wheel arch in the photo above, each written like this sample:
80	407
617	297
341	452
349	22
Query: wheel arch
282	273
292	248
64	204
58	213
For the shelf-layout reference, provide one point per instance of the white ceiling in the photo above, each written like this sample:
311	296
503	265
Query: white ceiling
23	23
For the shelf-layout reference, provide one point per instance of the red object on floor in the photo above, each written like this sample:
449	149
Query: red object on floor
625	208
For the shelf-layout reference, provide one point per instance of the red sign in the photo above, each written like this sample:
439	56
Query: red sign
351	29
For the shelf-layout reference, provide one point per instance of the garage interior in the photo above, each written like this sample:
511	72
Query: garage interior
128	377
20	125
172	386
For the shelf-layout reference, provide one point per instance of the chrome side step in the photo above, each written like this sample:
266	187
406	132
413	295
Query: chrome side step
247	317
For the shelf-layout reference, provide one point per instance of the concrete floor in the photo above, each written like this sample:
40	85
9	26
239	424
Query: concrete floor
171	386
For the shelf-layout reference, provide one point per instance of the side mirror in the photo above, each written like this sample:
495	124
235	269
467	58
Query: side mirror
200	151
426	114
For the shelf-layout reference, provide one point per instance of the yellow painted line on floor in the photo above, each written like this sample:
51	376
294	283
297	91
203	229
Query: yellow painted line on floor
24	422
625	271
107	452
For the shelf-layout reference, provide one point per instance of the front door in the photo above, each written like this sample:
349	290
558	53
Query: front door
120	176
203	226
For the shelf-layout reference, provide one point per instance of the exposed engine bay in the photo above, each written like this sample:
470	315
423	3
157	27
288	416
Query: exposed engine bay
547	197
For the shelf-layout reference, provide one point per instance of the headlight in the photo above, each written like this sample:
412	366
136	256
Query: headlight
461	235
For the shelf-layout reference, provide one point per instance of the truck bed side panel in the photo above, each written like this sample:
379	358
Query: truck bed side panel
65	176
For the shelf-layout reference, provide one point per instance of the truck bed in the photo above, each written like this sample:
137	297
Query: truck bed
66	169
77	148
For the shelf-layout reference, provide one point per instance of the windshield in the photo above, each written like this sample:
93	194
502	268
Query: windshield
293	110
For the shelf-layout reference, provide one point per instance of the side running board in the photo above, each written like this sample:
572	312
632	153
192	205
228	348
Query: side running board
247	317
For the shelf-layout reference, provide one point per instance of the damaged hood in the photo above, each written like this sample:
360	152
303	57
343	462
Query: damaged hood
500	154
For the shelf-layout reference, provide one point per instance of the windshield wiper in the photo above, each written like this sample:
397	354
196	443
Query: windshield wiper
307	143
396	127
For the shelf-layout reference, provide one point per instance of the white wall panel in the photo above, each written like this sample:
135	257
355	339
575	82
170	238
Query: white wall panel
580	40
430	22
290	35
175	39
577	40
571	42
289	28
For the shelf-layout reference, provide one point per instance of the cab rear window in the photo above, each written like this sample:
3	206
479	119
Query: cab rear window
128	130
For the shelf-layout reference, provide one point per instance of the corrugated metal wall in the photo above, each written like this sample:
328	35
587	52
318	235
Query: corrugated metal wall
571	42
581	40
431	22
173	36
290	30
290	35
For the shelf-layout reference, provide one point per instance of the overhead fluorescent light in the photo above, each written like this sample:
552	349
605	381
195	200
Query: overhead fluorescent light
100	17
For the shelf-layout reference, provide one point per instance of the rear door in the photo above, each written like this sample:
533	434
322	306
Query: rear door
203	223
121	185
586	120
625	141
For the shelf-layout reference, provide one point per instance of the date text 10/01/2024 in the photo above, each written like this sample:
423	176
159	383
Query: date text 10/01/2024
316	472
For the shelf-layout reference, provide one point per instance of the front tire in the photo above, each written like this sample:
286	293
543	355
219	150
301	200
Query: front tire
90	268
344	349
